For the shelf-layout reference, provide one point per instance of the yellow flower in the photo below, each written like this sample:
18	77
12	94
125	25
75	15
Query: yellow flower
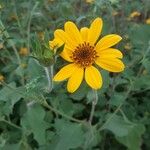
83	52
41	35
55	43
2	78
23	65
128	46
115	13
147	21
134	14
23	51
1	45
144	72
89	1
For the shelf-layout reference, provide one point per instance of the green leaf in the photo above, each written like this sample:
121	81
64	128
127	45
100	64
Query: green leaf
10	96
33	121
11	147
34	69
146	64
133	140
92	137
116	99
142	82
118	126
139	35
126	132
70	135
80	93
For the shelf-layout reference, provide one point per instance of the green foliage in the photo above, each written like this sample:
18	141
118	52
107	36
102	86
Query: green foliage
33	118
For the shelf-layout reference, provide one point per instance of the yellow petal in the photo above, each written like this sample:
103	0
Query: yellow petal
55	43
73	32
84	33
110	52
65	72
110	64
95	30
108	41
75	80
65	38
66	53
93	77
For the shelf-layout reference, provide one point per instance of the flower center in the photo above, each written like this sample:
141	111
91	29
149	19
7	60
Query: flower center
84	55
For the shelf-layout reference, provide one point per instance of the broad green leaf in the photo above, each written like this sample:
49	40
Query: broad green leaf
116	99
126	132
9	96
133	140
92	137
118	126
80	93
70	135
33	121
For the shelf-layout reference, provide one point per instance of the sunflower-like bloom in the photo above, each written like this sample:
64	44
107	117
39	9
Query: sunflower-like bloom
84	53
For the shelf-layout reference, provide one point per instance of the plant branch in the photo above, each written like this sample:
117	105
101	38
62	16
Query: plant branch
60	113
11	124
43	102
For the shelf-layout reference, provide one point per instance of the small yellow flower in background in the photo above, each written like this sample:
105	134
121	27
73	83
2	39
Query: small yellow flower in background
1	45
128	46
134	14
23	51
115	13
126	37
2	78
147	21
49	1
13	17
41	35
23	65
89	1
84	54
144	72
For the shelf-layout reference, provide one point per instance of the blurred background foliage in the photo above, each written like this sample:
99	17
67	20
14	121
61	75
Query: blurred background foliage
122	117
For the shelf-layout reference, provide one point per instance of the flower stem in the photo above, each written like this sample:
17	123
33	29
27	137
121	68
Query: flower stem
94	102
29	24
61	113
11	124
10	41
49	75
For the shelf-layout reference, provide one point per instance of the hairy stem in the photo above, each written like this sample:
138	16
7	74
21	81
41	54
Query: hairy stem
49	75
10	124
94	102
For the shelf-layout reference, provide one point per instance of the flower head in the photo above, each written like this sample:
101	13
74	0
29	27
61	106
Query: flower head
2	78
134	14
147	21
89	1
84	54
23	51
